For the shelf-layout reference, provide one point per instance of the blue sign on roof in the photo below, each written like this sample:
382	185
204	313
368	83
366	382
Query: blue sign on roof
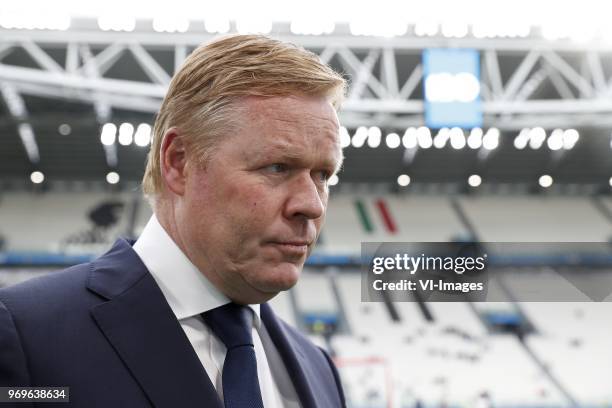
451	80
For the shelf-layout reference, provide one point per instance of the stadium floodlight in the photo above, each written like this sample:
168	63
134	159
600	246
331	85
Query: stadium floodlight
605	33
374	136
467	87
610	181
116	22
31	20
360	136
170	24
490	140
441	138
393	140
570	137
253	26
474	140
545	181
64	129
457	138
537	135
509	28
555	30
523	30
482	30
446	87
345	138
555	140
126	134
112	177
424	139
403	180
521	140
474	180
219	25
426	28
409	140
454	29
312	27
142	137
333	180
387	27
37	177
585	30
440	87
108	135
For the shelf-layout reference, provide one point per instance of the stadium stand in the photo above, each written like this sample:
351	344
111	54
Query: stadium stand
408	354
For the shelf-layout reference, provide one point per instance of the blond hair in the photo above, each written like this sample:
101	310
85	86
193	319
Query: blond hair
201	98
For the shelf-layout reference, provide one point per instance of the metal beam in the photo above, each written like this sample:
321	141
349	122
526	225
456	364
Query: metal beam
72	58
546	106
168	41
5	49
153	70
520	74
101	105
597	73
28	139
389	70
116	86
558	82
105	59
126	102
327	54
180	54
485	92
493	73
569	73
362	71
41	57
412	82
18	111
389	102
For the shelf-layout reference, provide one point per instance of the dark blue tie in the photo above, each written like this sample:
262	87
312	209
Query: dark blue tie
233	324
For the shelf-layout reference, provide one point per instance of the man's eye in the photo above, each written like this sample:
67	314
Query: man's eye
277	168
324	176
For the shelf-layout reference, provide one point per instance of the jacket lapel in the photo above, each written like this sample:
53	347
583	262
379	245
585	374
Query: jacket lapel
304	379
141	327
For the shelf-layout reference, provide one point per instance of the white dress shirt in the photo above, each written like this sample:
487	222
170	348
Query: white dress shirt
189	293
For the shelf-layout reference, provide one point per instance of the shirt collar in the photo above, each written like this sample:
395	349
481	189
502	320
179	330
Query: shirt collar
186	289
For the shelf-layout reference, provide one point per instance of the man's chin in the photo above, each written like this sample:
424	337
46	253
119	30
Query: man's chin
282	277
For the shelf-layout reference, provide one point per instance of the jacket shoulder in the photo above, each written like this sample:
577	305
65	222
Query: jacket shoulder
51	293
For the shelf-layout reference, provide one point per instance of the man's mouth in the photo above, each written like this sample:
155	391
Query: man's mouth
291	248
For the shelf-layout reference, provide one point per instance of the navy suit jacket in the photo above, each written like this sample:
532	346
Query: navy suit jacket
105	330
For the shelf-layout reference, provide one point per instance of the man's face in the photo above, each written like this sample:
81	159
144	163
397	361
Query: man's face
253	214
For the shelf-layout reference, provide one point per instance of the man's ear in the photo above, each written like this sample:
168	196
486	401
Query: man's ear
173	160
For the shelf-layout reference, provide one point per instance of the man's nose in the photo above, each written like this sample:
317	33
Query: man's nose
306	199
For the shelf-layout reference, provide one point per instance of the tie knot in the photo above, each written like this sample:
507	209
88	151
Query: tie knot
232	323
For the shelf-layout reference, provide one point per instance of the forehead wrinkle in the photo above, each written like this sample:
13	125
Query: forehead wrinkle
291	128
263	112
288	134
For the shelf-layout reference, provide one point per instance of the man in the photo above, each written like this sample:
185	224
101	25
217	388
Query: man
243	146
